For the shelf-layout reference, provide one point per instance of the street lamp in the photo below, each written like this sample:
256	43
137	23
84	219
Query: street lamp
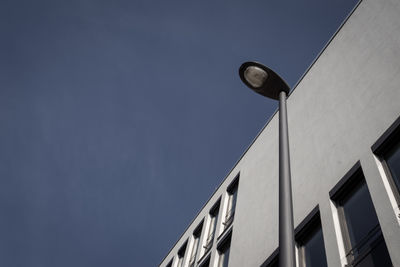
266	82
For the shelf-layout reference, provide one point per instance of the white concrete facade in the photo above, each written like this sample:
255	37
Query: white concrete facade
344	103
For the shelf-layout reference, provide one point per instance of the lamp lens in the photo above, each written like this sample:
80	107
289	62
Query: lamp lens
255	76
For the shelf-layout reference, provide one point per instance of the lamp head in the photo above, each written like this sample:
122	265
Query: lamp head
262	80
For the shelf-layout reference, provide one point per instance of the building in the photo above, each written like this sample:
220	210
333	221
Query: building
344	131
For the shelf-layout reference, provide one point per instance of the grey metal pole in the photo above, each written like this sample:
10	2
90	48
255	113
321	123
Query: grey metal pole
286	233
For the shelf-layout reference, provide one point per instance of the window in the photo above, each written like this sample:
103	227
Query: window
212	226
363	240
223	251
310	241
387	148
195	246
169	264
181	255
232	195
392	159
206	262
272	260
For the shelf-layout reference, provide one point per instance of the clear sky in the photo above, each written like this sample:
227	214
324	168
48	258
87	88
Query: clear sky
120	118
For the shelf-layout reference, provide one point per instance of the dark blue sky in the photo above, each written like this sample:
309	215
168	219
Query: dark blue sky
119	118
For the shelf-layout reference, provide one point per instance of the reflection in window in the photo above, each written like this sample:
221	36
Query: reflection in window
362	233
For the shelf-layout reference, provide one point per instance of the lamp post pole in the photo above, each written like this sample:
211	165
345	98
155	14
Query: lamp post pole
286	232
266	82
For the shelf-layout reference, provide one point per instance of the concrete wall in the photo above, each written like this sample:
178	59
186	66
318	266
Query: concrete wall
344	103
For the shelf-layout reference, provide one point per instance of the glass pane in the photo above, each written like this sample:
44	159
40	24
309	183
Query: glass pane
224	258
213	224
231	209
180	261
378	257
393	161
275	263
233	205
360	215
206	263
230	199
367	244
195	246
314	250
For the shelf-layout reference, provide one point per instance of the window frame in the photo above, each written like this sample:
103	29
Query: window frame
196	235
205	250
181	254
349	184
232	192
213	222
382	146
205	261
169	264
223	244
304	230
272	259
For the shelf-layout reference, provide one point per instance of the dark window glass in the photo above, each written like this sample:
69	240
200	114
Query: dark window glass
379	256
310	241
180	262
213	226
365	243
360	215
206	263
275	263
393	162
230	213
223	251
169	264
314	249
224	257
181	255
196	236
272	261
